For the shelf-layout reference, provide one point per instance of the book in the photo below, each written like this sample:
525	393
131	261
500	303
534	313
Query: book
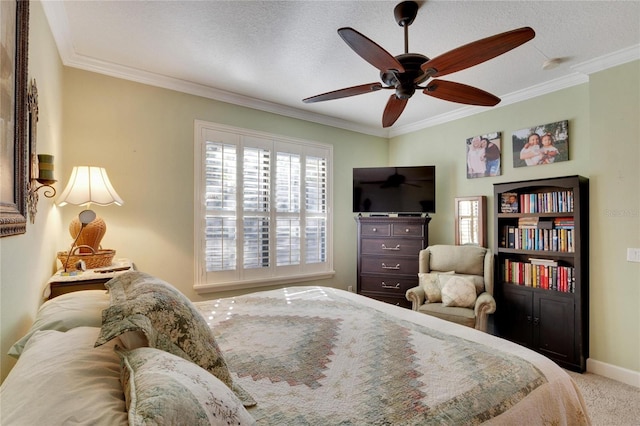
545	262
509	202
528	222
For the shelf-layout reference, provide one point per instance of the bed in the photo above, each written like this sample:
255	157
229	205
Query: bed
144	354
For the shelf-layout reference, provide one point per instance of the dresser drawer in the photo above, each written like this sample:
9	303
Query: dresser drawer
391	246
375	229
393	300
407	230
387	285
389	265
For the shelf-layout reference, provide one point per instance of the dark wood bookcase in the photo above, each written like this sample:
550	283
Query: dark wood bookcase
542	266
388	249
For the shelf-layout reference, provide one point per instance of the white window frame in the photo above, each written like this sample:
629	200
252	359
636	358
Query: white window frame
241	278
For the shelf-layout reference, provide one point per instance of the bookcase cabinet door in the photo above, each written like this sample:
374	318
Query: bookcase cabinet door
553	330
515	315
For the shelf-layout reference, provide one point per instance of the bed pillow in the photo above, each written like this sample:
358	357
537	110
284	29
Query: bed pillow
62	379
77	309
432	284
459	292
168	320
190	395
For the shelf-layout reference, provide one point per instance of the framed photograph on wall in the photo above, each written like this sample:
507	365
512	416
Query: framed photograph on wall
483	155
14	36
541	144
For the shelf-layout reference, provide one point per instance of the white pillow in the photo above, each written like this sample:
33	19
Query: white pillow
459	292
61	378
432	284
70	310
189	395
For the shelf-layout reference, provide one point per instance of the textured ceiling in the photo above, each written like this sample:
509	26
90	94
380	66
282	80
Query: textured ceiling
272	54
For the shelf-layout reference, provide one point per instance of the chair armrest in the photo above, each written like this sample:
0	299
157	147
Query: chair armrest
485	305
416	296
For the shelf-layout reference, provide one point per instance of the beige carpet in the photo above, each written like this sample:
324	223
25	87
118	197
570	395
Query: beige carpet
610	403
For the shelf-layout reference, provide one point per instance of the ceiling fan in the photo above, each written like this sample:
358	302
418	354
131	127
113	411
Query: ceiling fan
404	73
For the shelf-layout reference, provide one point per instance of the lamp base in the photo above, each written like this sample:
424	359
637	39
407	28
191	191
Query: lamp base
91	234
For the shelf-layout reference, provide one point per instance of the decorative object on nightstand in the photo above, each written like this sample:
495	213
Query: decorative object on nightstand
88	184
92	279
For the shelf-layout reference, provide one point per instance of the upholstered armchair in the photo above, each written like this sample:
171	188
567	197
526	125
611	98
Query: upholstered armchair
455	284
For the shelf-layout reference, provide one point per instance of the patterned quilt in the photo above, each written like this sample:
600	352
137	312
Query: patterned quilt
320	356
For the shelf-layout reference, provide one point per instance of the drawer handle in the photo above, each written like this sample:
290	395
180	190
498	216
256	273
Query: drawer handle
407	230
397	267
384	285
396	248
375	229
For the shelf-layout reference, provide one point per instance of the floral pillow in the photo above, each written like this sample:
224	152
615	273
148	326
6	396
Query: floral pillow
168	320
164	389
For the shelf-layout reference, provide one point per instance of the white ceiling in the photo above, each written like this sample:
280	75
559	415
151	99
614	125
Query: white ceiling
271	54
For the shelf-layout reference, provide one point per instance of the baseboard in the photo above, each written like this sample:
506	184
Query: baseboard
613	372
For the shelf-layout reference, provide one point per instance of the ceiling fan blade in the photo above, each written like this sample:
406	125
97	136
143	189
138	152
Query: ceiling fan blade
369	50
343	93
477	52
392	111
460	93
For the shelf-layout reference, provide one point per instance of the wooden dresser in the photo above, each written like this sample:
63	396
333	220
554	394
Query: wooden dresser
388	250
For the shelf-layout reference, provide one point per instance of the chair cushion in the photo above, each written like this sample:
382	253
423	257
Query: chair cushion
458	292
462	316
461	259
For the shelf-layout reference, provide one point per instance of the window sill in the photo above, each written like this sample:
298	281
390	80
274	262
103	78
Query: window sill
241	285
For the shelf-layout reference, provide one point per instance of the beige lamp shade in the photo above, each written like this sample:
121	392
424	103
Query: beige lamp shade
87	185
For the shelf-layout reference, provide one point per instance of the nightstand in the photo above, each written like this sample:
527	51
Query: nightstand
91	279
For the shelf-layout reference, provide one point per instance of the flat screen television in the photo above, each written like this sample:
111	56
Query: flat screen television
408	190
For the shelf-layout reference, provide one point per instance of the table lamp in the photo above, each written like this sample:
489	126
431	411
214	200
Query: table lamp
89	184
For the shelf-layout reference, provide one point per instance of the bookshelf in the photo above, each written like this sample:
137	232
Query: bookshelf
542	266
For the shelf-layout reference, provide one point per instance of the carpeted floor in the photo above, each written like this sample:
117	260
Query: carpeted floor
610	403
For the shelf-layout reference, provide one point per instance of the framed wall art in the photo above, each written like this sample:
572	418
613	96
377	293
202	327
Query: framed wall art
483	155
14	37
541	144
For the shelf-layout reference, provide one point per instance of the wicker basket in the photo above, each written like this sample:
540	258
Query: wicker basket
95	259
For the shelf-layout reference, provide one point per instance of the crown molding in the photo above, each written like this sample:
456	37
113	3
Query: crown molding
57	18
610	60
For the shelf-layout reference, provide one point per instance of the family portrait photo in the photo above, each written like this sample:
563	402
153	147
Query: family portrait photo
483	155
541	144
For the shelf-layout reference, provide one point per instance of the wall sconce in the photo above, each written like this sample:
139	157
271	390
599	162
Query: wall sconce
44	177
87	185
40	166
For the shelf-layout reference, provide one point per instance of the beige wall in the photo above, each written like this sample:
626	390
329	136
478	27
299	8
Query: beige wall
27	260
614	168
605	147
144	137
